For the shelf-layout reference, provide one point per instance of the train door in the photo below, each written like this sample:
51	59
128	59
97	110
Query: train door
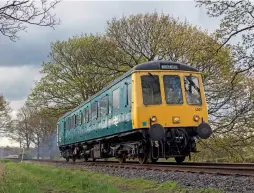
127	103
103	114
88	122
114	114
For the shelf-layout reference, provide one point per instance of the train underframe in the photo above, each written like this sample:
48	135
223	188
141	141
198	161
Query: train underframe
146	145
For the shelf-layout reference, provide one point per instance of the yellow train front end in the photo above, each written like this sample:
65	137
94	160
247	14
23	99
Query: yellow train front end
168	101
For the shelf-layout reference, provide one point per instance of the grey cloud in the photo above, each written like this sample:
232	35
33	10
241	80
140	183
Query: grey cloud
16	82
17	91
85	17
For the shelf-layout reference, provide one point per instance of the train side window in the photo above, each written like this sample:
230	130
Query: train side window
94	110
73	121
81	118
129	94
116	99
76	120
104	106
84	116
151	89
87	117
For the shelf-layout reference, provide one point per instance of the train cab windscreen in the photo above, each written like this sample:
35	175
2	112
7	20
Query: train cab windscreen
173	90
192	90
151	89
172	87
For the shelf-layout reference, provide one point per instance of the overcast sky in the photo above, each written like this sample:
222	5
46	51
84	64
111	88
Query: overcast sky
20	61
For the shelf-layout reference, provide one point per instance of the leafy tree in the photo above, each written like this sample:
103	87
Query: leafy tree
236	25
81	66
70	76
15	15
20	129
43	127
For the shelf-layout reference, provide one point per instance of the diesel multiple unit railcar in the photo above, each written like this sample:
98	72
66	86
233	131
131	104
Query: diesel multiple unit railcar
155	110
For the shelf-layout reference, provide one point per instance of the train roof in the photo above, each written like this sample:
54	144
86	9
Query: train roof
163	65
151	65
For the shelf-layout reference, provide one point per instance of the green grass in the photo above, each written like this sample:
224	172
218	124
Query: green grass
35	178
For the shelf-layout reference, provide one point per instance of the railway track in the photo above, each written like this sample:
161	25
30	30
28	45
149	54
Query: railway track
241	169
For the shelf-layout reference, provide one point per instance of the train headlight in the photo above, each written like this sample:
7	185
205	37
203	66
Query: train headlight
176	119
154	119
196	118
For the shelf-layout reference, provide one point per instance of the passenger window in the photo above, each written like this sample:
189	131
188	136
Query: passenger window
84	116
104	106
116	99
81	118
151	89
94	111
78	119
69	122
87	117
74	121
129	94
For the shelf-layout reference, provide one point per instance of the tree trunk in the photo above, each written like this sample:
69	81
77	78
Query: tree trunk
27	142
38	148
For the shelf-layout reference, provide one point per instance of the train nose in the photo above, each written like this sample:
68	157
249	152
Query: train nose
204	130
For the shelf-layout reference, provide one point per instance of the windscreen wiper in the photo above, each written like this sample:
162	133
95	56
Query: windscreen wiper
193	84
155	80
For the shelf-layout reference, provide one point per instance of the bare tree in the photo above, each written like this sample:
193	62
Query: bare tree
20	129
15	15
237	20
4	114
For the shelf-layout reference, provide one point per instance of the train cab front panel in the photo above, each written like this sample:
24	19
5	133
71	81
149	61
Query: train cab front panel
170	99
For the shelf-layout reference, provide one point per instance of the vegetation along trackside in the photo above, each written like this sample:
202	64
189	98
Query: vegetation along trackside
33	178
155	110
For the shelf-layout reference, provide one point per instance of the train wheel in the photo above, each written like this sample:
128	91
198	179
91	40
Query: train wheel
94	159
85	159
121	160
142	159
73	159
180	160
67	159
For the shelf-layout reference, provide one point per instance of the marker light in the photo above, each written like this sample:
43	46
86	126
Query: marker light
176	119
153	119
196	118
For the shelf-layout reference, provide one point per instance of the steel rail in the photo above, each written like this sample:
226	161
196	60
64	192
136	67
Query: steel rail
241	169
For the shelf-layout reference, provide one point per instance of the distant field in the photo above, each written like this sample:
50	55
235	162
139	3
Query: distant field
34	178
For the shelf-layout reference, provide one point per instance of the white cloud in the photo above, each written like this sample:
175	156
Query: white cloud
5	141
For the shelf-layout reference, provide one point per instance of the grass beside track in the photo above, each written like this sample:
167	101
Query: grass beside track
28	177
